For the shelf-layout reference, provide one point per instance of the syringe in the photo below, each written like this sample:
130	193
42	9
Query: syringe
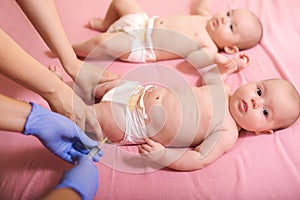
96	149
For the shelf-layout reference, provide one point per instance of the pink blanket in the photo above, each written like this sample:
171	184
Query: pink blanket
259	167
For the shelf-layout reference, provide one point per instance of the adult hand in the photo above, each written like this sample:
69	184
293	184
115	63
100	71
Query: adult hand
83	178
67	103
87	77
59	134
44	17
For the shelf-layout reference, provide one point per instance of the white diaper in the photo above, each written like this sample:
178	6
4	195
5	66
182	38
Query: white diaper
130	94
139	26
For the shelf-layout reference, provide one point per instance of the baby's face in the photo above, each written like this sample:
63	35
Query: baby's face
264	105
229	28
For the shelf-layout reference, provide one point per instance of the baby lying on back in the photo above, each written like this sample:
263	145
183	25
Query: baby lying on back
131	35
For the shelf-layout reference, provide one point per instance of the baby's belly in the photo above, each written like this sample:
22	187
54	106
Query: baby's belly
171	123
171	138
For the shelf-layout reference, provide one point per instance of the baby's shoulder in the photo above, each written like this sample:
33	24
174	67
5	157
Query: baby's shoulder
229	136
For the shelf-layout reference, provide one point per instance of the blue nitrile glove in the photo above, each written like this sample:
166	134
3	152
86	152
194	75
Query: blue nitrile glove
83	178
59	134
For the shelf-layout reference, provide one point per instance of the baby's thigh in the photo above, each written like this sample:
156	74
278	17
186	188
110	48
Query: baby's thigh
111	117
125	7
117	44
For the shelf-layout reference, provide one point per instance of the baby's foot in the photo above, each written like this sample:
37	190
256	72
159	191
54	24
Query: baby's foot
97	24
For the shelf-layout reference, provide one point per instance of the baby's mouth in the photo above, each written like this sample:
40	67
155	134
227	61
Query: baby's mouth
215	23
243	106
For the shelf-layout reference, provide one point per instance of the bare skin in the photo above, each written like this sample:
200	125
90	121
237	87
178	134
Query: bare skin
45	19
207	118
200	33
163	98
220	117
175	130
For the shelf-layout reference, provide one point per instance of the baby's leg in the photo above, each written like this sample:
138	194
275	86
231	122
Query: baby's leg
110	44
111	117
103	88
116	10
79	92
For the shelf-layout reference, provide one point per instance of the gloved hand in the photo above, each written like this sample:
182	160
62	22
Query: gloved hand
83	178
58	134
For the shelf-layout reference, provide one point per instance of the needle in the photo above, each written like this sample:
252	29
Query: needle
96	149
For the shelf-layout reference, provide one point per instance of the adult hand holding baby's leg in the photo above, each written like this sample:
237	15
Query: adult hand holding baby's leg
76	109
88	76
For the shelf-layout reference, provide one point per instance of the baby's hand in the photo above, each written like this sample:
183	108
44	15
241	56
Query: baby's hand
229	65
152	150
242	62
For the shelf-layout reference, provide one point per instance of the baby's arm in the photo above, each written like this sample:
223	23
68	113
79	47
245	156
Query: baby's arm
201	58
228	65
204	7
178	159
208	151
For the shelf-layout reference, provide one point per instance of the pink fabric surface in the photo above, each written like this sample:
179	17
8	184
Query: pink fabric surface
259	167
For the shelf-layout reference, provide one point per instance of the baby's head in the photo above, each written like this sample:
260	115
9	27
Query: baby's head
235	30
265	106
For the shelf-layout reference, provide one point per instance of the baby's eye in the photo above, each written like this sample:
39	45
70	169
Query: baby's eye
228	14
265	112
258	91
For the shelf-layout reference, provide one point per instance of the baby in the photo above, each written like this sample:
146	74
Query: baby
131	35
206	120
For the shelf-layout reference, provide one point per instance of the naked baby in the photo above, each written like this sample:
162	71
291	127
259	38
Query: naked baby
131	35
205	119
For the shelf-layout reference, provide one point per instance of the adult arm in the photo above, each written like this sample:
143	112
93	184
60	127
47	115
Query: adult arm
14	114
56	132
44	17
19	66
81	182
62	194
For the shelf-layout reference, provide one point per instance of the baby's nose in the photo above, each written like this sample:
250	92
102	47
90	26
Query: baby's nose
225	20
256	103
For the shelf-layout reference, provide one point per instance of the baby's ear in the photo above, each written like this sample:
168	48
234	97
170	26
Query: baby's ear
268	132
231	49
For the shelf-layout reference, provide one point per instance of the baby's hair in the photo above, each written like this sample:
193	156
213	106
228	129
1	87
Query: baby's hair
293	92
297	97
247	44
